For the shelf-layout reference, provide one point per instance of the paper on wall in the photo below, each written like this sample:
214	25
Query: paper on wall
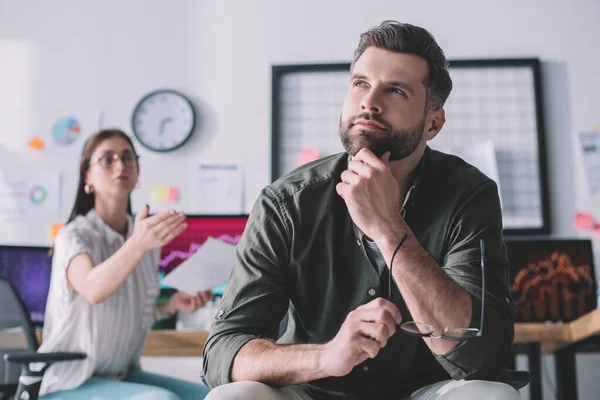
590	150
220	190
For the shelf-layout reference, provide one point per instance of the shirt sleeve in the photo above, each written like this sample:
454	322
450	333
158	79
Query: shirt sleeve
479	217
69	243
257	292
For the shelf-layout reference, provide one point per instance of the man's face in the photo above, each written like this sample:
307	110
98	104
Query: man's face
384	108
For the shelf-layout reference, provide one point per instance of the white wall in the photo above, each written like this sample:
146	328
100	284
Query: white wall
104	55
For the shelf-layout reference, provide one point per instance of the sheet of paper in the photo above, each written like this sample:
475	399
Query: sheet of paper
220	190
590	150
481	155
29	195
206	269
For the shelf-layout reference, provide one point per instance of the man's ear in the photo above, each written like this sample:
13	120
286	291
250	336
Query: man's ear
435	121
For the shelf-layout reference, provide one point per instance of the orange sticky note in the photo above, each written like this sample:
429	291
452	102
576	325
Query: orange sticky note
54	230
584	221
308	155
36	143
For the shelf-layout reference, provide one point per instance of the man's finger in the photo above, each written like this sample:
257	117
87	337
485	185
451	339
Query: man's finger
378	316
368	157
350	177
387	305
368	346
360	168
376	331
342	189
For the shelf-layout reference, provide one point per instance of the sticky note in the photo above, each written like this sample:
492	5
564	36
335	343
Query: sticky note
165	194
173	194
584	221
36	143
308	155
598	230
54	230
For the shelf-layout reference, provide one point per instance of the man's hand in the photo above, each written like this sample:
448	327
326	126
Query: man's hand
372	195
364	332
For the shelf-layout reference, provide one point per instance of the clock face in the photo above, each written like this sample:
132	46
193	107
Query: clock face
163	120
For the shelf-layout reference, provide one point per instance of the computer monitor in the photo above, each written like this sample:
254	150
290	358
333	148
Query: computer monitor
551	279
227	228
28	268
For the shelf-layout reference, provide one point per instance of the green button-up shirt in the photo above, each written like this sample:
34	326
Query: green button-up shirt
302	254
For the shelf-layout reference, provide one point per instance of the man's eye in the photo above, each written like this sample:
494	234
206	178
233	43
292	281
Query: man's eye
398	91
359	84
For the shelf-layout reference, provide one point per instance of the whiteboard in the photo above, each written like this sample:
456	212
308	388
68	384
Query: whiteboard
497	101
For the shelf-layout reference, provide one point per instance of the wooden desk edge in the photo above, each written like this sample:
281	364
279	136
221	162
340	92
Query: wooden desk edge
170	343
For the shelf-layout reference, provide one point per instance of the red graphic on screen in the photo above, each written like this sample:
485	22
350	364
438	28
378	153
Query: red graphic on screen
200	228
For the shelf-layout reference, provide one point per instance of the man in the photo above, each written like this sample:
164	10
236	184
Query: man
321	241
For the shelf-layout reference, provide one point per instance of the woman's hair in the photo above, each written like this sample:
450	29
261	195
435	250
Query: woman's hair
85	202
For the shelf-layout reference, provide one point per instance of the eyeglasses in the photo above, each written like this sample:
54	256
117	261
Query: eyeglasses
425	330
109	160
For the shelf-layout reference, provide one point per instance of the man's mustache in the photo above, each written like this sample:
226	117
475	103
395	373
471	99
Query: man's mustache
372	117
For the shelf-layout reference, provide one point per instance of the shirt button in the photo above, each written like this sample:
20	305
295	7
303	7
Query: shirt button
358	242
507	300
220	313
365	368
371	292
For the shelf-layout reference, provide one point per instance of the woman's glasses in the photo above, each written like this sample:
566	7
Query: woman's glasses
109	160
425	330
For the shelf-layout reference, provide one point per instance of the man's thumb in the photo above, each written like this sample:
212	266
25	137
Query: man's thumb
143	213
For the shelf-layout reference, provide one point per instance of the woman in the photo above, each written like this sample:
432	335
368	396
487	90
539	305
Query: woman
105	283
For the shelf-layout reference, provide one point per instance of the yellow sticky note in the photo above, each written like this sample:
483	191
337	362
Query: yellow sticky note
54	230
36	143
308	155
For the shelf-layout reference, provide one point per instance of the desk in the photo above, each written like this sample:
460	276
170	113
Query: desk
539	338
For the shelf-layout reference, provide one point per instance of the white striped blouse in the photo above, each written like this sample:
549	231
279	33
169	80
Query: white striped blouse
111	333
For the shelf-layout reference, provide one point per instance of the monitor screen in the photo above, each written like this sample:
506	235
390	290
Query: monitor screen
552	280
28	269
228	229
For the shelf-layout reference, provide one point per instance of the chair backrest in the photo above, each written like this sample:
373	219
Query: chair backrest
16	330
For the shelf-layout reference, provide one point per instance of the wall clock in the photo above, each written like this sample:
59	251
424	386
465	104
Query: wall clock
163	120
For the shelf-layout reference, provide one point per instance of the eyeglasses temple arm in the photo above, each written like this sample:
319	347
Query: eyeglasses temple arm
482	247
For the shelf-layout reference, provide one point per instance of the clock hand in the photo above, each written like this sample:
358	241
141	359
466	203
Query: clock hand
163	122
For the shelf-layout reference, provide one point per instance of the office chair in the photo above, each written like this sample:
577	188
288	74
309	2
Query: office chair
19	345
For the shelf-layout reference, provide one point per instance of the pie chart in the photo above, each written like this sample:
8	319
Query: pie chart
66	130
38	194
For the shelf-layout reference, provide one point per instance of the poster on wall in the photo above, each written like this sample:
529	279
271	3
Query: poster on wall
590	150
219	190
29	195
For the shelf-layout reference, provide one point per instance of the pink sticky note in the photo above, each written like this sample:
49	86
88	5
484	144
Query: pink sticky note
584	221
308	155
598	230
173	194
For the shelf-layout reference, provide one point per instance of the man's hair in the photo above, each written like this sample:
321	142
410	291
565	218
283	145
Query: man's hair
406	38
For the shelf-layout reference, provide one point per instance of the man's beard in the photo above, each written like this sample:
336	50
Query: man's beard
400	143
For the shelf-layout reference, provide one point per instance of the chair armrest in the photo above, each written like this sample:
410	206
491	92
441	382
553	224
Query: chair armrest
30	356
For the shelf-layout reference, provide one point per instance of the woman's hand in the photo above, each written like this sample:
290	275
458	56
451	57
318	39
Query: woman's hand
188	302
157	230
